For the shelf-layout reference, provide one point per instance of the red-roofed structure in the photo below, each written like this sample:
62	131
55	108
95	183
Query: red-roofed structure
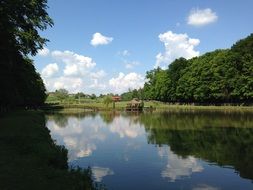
116	98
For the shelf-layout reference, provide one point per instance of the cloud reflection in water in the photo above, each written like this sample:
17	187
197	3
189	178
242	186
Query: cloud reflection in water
80	136
178	167
99	173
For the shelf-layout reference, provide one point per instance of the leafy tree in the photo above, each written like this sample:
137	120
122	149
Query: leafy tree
19	25
93	96
135	94
101	96
149	86
107	100
61	94
242	59
30	84
221	76
80	95
126	96
20	21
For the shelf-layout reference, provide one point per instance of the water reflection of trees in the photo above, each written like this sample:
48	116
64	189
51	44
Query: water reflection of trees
221	138
61	119
108	117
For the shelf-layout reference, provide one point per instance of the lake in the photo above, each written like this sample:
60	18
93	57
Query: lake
161	150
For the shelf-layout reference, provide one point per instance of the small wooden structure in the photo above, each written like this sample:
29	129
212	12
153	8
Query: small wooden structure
116	98
135	105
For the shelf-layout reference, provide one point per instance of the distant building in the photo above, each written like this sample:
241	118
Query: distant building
116	98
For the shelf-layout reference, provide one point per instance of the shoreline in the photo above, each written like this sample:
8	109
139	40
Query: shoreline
154	106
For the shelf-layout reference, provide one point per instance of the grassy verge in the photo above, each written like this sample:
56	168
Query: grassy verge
95	106
31	160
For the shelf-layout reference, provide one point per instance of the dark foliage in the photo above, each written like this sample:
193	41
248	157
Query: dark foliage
20	21
30	159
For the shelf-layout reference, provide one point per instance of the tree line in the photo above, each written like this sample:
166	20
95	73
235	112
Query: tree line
20	83
221	76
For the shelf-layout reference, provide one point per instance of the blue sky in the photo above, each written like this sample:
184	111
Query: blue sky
99	46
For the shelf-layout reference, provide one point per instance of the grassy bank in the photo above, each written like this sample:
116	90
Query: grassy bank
98	105
31	160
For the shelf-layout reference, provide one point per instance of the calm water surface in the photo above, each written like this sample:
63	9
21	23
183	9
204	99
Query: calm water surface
172	150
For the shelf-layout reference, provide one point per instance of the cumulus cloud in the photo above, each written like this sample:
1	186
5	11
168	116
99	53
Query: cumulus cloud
96	80
97	75
99	39
176	46
71	76
201	17
76	65
72	84
50	70
124	82
43	52
77	73
97	85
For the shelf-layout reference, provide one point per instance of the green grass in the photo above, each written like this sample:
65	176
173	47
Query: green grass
31	160
97	104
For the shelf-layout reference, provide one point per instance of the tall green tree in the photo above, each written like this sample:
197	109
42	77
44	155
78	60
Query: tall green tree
107	100
20	22
221	76
149	86
61	94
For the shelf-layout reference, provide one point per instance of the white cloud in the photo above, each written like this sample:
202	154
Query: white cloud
97	85
201	17
124	53
97	75
124	82
75	68
72	84
76	65
99	39
43	52
78	73
176	46
50	70
131	65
